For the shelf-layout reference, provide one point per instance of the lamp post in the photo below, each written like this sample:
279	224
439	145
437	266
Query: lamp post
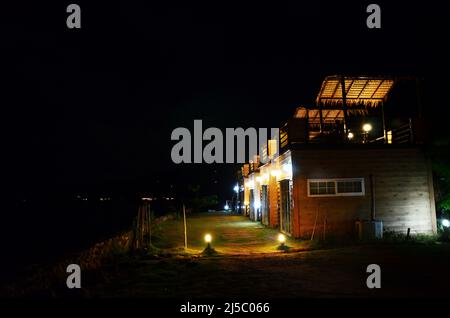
366	128
237	203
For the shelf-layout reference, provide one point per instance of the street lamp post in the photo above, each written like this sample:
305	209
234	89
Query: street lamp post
236	203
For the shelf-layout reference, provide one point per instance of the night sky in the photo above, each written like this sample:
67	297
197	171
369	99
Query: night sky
93	109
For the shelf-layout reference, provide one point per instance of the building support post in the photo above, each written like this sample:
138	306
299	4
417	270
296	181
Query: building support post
372	198
307	125
321	117
344	107
384	123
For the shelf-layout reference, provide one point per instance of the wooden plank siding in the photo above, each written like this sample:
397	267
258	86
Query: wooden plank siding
404	195
274	195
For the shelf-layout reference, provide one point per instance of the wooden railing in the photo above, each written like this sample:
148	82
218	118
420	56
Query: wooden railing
403	134
284	138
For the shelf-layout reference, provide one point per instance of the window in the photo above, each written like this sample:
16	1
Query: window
322	188
336	187
349	186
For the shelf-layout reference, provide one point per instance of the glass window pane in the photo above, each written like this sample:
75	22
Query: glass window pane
350	186
330	188
313	188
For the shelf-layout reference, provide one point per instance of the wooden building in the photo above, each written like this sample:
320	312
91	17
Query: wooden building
341	161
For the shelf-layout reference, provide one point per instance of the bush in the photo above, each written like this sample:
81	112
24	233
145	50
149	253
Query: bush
395	237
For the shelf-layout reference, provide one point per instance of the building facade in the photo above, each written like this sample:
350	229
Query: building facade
327	175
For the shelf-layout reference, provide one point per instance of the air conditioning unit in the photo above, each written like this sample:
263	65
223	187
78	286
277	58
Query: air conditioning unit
369	230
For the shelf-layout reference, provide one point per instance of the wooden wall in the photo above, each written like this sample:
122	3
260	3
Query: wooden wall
273	202
403	190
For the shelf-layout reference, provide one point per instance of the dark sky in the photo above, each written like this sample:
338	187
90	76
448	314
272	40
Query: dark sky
95	107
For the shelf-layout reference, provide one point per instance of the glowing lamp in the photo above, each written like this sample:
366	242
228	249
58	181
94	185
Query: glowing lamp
350	136
367	127
236	188
226	207
281	238
275	173
287	168
208	238
445	223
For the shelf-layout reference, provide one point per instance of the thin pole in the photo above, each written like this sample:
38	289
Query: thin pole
315	223
138	229
372	198
321	117
185	231
149	225
344	107
307	125
384	123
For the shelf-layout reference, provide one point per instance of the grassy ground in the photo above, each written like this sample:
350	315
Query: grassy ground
407	271
249	265
232	234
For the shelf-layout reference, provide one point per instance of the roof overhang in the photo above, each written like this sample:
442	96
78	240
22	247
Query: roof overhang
313	115
365	90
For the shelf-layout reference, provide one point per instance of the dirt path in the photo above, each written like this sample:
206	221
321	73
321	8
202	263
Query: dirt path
232	234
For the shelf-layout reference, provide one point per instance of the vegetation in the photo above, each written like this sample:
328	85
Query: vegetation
199	202
442	173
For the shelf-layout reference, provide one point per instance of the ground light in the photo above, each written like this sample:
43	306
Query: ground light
282	240
208	239
445	223
226	207
208	250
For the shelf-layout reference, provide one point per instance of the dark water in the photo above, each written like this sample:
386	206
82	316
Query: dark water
42	230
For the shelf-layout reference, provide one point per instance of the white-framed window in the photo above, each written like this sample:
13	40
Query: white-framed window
336	187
